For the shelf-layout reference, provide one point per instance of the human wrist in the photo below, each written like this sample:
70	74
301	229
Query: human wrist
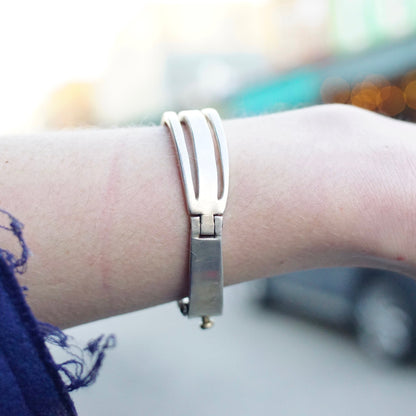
308	188
312	189
287	203
373	185
387	193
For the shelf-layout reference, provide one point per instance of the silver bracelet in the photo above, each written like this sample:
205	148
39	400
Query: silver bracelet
206	204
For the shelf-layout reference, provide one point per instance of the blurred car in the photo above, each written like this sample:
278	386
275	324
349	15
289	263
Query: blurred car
378	305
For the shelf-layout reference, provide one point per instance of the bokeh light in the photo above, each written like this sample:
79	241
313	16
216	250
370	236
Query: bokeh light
410	94
392	101
69	106
366	95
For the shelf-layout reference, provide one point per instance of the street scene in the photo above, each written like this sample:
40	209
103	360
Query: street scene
252	362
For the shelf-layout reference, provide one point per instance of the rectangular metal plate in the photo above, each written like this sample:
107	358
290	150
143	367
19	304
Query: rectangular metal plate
206	277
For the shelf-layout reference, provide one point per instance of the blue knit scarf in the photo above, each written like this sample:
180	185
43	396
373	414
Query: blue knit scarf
31	383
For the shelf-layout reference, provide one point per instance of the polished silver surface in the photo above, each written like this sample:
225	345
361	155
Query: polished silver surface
206	196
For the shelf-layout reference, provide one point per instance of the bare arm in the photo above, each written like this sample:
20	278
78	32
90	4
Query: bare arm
106	222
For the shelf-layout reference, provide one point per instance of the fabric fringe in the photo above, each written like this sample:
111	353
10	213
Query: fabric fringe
81	369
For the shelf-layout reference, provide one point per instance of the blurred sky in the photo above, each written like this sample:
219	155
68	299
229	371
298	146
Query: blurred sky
46	43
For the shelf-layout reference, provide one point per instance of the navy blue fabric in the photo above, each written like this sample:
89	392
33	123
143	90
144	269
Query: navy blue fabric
29	382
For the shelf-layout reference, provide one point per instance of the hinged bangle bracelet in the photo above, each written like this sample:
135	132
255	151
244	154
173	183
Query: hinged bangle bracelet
206	197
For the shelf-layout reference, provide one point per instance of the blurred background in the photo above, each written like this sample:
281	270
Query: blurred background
106	63
284	346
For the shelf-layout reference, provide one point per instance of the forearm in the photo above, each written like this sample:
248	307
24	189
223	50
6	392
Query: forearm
105	217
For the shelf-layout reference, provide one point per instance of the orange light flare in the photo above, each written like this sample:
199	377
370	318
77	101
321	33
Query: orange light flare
366	95
392	101
410	94
335	90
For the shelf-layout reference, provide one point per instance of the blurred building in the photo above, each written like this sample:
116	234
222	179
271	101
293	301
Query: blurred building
191	54
181	55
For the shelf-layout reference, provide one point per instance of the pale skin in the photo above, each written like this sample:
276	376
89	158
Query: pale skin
106	222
